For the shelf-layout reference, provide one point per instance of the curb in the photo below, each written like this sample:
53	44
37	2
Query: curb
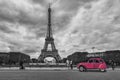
49	68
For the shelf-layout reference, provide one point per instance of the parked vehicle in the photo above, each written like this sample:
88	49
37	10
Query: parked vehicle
92	63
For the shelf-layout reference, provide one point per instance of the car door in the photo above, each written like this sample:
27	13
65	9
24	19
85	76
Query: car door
96	63
90	64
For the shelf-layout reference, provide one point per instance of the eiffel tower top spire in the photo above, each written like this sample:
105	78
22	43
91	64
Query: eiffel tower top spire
49	29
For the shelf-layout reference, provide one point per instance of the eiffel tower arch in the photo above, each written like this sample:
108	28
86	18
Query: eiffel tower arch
49	49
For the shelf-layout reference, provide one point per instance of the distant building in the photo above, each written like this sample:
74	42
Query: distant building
4	58
13	57
16	57
97	54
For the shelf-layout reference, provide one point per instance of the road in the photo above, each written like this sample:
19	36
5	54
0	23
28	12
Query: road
58	75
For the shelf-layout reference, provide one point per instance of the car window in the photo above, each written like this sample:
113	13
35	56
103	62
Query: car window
101	61
96	61
91	61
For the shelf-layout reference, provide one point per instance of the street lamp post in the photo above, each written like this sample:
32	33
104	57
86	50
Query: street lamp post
93	50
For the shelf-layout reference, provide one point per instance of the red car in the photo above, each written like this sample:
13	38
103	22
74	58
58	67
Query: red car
92	63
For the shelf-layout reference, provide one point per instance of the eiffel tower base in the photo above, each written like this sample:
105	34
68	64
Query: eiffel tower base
53	54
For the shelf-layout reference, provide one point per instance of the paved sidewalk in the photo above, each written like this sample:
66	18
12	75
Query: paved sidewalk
36	68
44	68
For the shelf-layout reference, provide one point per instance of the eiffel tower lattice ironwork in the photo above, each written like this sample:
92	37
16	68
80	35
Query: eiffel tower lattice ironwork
49	40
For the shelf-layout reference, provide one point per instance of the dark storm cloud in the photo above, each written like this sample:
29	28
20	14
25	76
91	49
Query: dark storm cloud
26	15
5	29
116	19
59	23
24	18
30	51
63	14
73	4
4	17
42	2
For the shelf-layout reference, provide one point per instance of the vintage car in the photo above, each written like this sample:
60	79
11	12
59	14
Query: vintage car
92	63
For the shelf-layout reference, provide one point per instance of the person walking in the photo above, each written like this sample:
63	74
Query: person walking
113	65
71	64
67	63
21	65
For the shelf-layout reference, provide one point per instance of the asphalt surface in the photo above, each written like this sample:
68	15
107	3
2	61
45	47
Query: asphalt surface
58	75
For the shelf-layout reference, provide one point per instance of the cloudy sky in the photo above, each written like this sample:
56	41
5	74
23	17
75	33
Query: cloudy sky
77	25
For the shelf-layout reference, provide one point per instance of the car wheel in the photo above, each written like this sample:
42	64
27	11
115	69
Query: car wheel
82	69
102	70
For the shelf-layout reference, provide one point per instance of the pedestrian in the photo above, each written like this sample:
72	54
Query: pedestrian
67	63
21	65
113	65
71	64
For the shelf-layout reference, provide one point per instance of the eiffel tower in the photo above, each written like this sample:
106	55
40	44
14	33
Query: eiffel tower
49	43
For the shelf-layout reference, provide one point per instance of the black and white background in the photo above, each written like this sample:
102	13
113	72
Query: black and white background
76	24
